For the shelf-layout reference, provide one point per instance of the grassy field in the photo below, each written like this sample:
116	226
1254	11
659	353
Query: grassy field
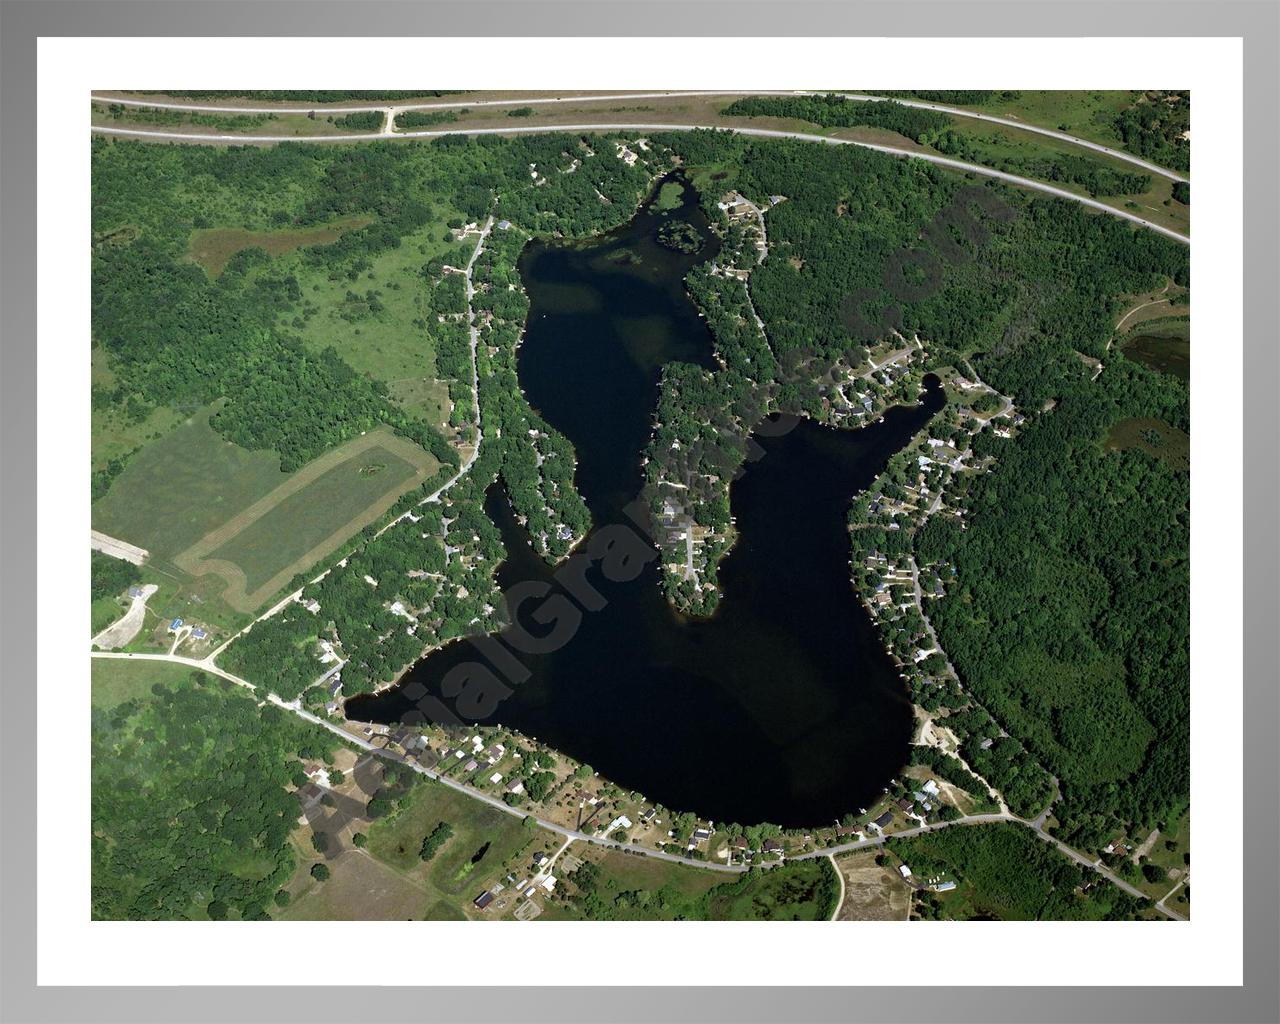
485	845
1084	114
996	143
1155	437
358	889
387	345
325	503
803	890
213	247
116	680
205	507
181	486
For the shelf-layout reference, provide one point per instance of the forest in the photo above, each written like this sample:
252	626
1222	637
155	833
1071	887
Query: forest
191	809
1004	873
1069	618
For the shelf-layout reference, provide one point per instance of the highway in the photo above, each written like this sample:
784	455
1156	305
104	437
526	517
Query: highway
393	108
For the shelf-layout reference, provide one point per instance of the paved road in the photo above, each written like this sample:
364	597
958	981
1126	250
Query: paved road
393	108
768	133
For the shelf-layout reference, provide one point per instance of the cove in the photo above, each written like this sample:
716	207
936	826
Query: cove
783	706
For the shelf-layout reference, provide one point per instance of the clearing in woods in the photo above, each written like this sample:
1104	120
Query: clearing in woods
213	248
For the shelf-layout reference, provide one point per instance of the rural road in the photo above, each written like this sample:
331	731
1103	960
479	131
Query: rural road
393	108
830	851
766	133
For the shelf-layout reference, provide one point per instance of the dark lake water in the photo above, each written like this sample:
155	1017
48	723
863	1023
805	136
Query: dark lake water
783	706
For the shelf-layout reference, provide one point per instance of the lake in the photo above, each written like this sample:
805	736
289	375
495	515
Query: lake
781	707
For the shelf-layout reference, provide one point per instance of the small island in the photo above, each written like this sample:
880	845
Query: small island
681	236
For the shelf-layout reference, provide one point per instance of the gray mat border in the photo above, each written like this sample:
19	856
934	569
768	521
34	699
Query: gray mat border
21	23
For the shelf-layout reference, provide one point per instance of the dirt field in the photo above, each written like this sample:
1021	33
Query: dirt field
358	889
310	514
872	893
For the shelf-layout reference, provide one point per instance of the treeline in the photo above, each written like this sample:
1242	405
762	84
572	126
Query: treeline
221	121
361	120
965	97
110	577
310	95
426	118
1097	179
835	111
191	813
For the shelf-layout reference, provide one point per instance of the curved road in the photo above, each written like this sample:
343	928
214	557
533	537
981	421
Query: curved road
539	101
768	133
206	664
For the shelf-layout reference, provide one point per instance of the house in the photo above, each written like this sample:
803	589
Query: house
944	886
648	815
549	883
905	804
175	625
495	778
516	787
739	843
504	225
904	871
772	846
483	900
135	591
621	821
539	859
930	787
884	820
701	834
198	633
